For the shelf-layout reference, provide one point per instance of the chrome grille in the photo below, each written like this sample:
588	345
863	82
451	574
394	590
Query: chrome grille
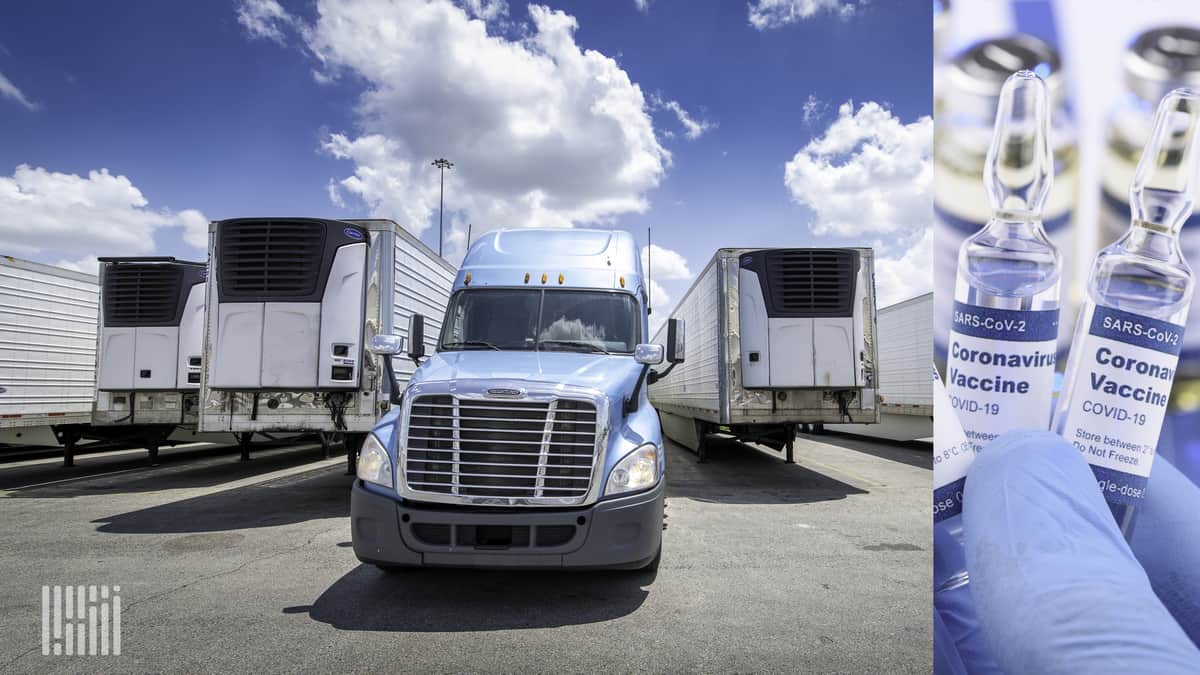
504	449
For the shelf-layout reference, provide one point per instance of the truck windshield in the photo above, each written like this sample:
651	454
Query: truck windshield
544	320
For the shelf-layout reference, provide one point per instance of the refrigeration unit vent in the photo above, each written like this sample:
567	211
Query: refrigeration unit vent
271	258
141	295
810	282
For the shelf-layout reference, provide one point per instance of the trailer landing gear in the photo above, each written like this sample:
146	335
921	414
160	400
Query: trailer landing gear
68	437
243	441
790	447
353	443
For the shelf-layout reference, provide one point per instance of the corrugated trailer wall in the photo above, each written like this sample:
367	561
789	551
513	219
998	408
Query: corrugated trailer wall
905	356
47	344
422	286
695	383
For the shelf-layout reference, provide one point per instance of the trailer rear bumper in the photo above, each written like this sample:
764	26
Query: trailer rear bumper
621	533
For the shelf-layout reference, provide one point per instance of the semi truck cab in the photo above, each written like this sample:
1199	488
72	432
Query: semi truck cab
526	439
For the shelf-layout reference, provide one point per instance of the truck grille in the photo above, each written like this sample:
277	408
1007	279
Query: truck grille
141	294
811	282
270	258
503	449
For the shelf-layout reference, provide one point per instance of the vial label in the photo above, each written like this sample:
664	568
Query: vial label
952	455
1128	364
1000	370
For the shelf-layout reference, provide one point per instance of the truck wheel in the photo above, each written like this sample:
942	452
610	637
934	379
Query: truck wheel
818	429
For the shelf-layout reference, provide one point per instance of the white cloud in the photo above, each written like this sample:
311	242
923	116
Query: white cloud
10	90
691	128
814	109
767	14
869	173
89	264
71	215
264	19
487	10
665	264
642	5
910	274
542	132
195	228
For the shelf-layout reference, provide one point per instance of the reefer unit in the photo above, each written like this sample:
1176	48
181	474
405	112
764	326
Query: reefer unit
150	347
777	338
47	350
293	302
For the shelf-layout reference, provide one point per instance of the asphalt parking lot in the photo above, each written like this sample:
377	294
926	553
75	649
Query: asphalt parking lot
767	567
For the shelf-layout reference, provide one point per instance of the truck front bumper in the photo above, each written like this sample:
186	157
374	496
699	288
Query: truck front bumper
620	533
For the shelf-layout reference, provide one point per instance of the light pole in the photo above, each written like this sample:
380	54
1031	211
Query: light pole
442	164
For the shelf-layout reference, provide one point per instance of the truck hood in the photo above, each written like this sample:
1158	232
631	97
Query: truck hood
613	375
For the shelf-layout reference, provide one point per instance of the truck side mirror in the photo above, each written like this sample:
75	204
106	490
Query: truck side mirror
675	341
648	355
416	337
387	345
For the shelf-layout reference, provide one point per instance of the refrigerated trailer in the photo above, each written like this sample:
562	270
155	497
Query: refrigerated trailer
149	350
905	390
47	352
293	303
778	338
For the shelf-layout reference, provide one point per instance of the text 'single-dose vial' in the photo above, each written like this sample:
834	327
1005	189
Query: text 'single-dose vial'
1130	329
1004	325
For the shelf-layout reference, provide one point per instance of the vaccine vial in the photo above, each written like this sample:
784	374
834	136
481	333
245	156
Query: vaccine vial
967	95
1131	327
952	456
1155	62
1004	323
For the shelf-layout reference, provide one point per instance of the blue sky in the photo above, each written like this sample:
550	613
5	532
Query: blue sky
214	110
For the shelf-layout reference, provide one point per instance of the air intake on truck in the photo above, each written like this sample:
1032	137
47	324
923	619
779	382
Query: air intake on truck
142	294
809	282
271	258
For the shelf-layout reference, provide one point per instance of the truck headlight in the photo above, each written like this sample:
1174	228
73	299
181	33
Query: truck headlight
374	466
636	471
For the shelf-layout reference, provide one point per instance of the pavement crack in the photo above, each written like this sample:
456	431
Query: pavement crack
223	573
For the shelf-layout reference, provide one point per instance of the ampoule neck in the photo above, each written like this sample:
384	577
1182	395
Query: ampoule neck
1152	240
1015	225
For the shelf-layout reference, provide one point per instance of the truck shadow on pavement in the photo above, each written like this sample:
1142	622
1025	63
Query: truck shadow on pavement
736	473
437	600
320	493
195	467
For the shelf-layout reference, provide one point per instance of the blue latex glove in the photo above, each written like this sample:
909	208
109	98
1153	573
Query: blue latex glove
1056	588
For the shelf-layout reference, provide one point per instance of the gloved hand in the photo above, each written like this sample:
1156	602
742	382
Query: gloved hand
1055	586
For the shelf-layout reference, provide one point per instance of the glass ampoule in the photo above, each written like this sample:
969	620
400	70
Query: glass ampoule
952	456
1130	330
1002	346
966	98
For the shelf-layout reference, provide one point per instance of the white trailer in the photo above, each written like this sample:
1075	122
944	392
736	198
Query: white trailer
292	305
47	352
149	349
777	338
905	357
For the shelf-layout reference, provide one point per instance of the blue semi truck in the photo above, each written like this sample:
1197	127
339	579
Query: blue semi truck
526	439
